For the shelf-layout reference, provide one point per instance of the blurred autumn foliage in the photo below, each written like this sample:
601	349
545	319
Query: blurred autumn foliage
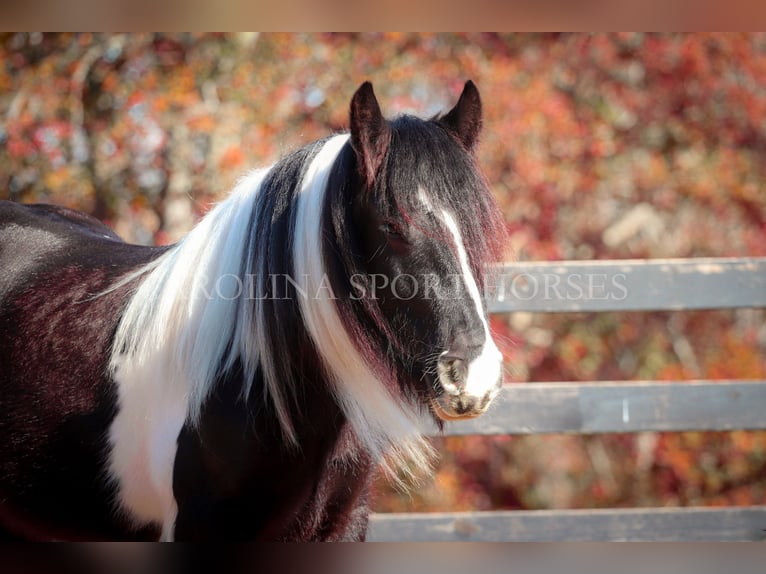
597	146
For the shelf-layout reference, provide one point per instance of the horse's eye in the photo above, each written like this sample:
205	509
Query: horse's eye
392	231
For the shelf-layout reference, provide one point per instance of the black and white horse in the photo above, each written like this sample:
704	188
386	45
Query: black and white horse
246	382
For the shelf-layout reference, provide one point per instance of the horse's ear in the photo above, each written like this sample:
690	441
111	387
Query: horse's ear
370	134
464	120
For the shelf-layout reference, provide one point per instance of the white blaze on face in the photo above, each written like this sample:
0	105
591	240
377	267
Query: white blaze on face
485	370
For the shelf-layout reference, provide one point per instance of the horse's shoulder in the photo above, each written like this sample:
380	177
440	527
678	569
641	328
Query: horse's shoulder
55	219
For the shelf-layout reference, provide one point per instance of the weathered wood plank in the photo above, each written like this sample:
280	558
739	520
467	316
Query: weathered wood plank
636	524
530	408
628	285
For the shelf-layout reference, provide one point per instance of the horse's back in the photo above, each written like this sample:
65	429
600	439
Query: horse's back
54	219
32	232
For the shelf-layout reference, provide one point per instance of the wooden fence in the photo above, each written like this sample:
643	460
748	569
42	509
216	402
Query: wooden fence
610	407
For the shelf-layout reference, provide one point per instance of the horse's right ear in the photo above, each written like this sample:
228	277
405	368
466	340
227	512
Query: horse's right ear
370	134
464	120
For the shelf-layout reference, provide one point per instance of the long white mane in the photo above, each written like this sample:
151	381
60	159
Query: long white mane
193	314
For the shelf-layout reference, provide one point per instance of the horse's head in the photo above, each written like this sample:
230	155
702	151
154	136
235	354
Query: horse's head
427	228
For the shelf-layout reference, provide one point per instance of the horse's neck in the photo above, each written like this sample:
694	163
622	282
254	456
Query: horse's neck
237	453
318	420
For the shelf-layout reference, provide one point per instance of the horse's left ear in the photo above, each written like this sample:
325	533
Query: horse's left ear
464	120
370	134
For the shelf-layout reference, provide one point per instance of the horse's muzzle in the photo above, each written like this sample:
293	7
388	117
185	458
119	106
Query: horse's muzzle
468	388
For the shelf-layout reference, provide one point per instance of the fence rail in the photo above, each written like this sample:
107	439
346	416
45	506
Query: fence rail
614	407
629	285
606	407
635	524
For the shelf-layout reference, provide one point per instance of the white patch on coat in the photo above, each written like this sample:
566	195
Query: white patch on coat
171	339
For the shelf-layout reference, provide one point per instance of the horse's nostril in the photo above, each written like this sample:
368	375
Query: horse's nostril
454	367
454	364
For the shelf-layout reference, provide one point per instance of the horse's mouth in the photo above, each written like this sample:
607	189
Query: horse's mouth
456	408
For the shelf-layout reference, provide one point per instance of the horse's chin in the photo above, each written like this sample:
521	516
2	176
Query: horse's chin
441	413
